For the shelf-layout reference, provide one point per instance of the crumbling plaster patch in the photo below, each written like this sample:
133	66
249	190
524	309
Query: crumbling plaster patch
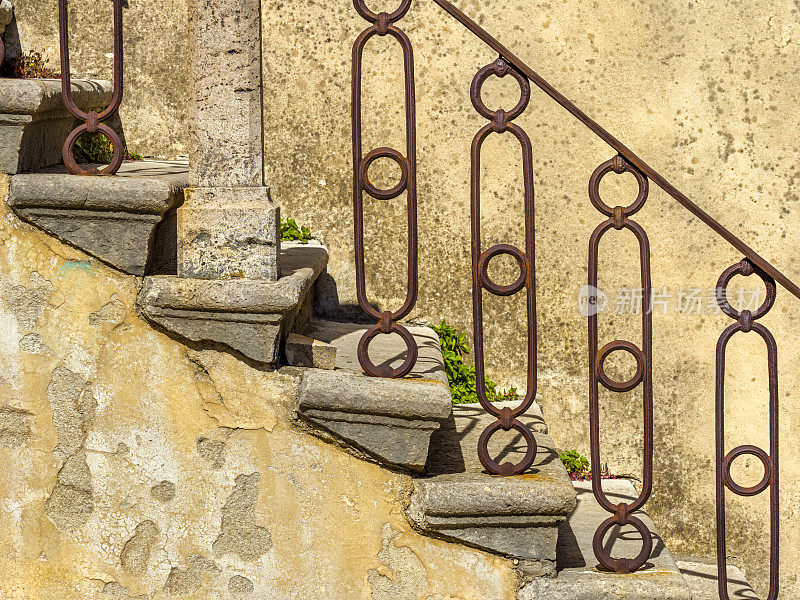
27	303
246	402
163	491
33	344
239	533
136	552
119	592
212	450
240	587
188	580
71	501
15	427
401	575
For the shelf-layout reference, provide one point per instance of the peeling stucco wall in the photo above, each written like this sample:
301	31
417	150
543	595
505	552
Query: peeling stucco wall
135	468
705	91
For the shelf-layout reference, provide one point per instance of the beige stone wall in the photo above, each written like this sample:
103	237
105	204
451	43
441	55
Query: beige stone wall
155	103
705	91
135	467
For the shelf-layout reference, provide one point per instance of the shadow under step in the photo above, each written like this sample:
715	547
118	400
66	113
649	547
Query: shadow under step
701	575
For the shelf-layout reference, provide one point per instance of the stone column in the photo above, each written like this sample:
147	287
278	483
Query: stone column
6	15
228	227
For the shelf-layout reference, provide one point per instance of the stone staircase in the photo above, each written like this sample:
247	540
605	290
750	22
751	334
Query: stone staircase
540	520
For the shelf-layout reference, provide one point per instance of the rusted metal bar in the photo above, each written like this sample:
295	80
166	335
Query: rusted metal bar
500	122
746	322
619	218
384	24
92	121
618	146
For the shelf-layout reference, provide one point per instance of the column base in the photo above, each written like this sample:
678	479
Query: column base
228	233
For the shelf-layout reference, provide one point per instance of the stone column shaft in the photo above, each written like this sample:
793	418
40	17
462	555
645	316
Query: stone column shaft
228	226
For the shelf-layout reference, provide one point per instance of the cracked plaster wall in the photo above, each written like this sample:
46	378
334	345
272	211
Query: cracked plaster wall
144	513
706	91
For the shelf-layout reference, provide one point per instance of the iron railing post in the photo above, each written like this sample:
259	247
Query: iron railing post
92	121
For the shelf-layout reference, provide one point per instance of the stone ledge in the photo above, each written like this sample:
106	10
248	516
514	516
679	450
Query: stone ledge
579	577
34	121
546	491
391	420
37	96
249	316
111	218
515	516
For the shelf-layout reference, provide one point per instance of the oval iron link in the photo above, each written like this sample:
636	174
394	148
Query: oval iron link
745	322
384	24
501	121
619	218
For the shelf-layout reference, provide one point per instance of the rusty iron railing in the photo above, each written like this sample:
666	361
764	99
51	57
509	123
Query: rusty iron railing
745	322
618	217
92	121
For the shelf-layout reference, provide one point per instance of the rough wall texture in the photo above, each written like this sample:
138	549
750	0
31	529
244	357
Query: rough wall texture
155	103
136	468
702	90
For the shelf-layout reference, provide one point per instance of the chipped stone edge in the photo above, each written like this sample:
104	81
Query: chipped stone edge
173	303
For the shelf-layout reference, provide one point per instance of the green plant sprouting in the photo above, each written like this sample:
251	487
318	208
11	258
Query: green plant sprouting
291	232
460	375
579	468
577	464
30	65
97	148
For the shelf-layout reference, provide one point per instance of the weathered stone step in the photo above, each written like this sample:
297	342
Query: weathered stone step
579	577
391	420
518	516
701	575
118	220
250	316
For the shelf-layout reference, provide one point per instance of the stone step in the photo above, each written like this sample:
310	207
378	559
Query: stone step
250	316
390	420
34	121
701	576
579	576
125	221
519	516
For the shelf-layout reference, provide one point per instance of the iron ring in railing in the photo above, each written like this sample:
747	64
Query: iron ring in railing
92	121
619	218
745	322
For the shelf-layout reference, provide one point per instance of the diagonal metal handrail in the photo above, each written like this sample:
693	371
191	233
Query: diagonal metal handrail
621	148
